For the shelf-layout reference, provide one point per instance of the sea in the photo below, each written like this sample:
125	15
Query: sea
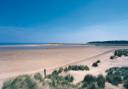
34	46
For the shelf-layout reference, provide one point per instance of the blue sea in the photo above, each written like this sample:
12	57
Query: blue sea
31	46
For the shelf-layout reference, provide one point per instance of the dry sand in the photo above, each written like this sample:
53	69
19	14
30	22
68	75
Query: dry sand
17	62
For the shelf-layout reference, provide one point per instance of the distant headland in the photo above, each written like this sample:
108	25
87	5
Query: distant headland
114	43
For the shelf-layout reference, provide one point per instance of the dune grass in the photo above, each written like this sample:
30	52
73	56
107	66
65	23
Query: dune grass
20	82
118	75
92	82
115	76
119	53
76	68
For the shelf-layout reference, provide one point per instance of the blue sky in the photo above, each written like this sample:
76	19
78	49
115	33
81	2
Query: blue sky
70	21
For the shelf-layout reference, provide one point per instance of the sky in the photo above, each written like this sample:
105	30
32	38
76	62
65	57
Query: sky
63	21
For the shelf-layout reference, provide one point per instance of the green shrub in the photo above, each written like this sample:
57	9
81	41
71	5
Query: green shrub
60	70
112	57
86	68
100	81
98	61
38	77
92	82
117	75
60	80
125	77
66	69
88	79
69	78
92	86
114	79
55	72
76	68
95	64
125	84
121	52
20	82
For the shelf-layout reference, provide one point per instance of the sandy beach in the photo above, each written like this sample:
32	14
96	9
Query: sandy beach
18	62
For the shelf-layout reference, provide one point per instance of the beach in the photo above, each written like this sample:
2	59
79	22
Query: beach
14	62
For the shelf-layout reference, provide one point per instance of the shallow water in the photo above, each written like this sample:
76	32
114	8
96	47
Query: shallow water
34	47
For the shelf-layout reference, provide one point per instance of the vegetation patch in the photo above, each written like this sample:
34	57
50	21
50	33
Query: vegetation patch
125	84
76	68
92	82
21	82
58	79
38	77
95	64
101	81
119	53
117	75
